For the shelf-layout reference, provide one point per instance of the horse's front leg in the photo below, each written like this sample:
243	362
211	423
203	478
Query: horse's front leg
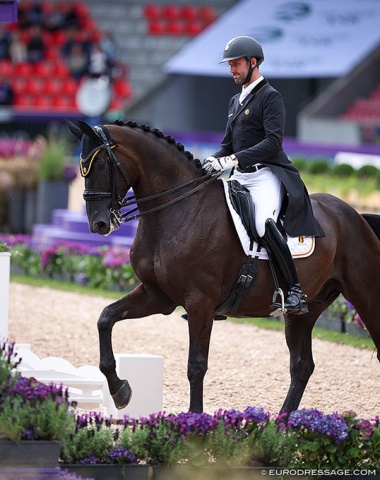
139	303
200	326
298	338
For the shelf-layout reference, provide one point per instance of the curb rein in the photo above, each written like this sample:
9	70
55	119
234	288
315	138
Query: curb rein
116	204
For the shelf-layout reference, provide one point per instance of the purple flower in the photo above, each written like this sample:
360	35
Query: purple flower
120	455
366	429
70	172
359	321
315	421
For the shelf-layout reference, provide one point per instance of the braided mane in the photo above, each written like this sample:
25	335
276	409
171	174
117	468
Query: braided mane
159	134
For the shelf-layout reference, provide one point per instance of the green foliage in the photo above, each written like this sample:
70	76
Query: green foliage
273	446
8	363
367	171
26	258
319	166
53	160
86	444
29	409
300	163
4	247
97	267
343	170
306	439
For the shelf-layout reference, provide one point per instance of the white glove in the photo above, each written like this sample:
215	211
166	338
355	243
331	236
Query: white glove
213	164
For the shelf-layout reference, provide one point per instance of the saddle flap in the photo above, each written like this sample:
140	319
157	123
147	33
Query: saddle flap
242	203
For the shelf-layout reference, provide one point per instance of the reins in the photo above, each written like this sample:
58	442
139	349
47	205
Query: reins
116	204
131	200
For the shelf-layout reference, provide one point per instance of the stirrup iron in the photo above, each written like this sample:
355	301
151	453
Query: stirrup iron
279	311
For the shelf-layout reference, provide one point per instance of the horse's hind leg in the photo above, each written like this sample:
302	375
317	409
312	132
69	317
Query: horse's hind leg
139	303
298	338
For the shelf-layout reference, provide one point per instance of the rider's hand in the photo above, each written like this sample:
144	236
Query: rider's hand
207	166
213	164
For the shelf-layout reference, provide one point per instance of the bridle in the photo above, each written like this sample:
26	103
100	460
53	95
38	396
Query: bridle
117	201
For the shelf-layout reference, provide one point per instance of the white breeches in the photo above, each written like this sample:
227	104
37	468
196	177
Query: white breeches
267	193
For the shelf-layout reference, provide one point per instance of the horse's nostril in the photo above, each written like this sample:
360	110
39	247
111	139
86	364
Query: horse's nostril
99	227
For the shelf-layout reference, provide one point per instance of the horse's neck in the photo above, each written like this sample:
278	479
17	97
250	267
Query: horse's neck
161	173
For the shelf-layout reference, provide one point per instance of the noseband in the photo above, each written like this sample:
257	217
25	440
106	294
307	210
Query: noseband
117	202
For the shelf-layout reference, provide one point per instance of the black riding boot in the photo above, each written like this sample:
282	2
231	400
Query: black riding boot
295	302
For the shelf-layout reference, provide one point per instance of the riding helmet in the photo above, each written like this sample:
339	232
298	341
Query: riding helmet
243	46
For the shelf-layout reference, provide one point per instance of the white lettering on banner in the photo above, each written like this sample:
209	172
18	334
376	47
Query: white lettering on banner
317	472
310	38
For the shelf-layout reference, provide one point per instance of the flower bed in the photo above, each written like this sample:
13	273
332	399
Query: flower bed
305	439
97	267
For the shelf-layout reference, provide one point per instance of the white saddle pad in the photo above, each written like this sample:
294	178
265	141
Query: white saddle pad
300	247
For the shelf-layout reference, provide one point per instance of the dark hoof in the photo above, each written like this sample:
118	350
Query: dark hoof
123	396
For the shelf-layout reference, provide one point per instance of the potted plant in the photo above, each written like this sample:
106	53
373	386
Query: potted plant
33	417
54	179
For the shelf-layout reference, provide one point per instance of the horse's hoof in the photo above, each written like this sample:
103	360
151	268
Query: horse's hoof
123	396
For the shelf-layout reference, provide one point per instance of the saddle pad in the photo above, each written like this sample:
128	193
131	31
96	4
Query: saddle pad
300	247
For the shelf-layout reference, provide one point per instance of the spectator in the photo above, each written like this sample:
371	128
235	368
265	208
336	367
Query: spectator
35	46
98	62
109	47
36	14
71	18
55	20
72	38
77	61
29	15
6	91
4	43
17	49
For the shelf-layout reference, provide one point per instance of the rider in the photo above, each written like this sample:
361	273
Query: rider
252	146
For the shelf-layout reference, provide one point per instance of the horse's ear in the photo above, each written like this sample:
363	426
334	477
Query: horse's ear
76	131
87	130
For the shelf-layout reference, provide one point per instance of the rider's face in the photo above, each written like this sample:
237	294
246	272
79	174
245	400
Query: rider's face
239	69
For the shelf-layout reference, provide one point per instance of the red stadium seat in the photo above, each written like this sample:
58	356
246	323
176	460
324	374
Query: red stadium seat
175	27
34	85
44	68
152	11
171	11
6	67
189	12
69	87
207	14
23	68
122	89
194	27
156	27
43	101
61	69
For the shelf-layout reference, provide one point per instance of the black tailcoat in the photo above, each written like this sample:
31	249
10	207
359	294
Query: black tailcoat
254	133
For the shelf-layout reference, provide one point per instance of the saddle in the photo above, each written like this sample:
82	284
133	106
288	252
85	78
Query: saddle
243	205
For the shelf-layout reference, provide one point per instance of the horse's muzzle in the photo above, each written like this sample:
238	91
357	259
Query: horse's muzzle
102	228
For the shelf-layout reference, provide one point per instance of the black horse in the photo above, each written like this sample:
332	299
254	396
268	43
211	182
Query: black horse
187	252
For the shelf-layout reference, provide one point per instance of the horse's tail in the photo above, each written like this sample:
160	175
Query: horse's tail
374	221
